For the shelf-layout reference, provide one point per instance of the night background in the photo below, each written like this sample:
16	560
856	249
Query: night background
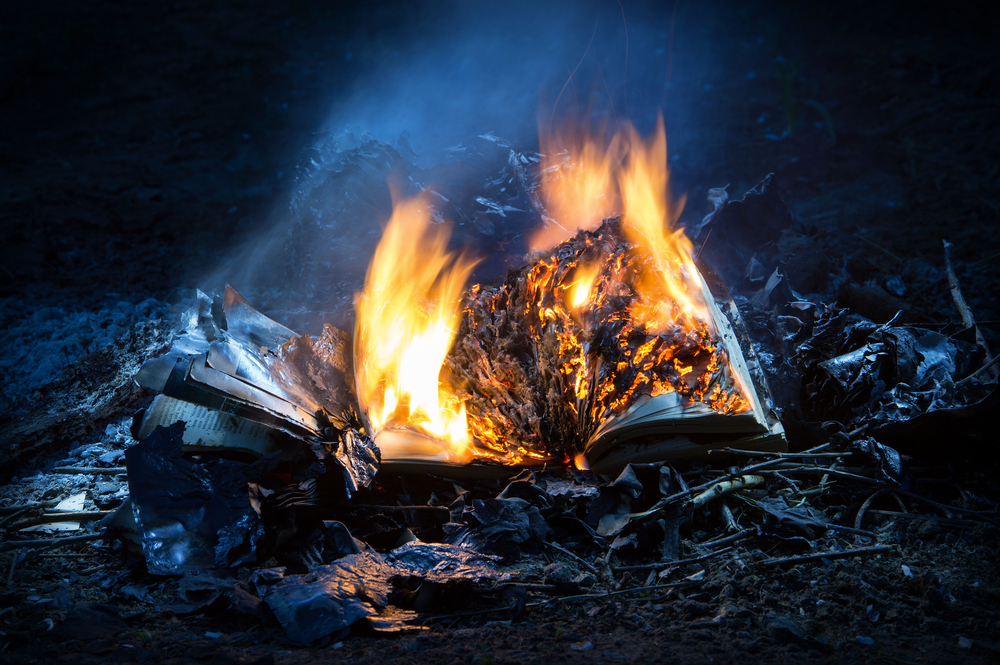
149	149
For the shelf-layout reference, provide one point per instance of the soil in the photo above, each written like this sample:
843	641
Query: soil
144	144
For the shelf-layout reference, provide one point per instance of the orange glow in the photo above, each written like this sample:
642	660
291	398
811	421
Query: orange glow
407	316
577	183
648	219
586	179
583	284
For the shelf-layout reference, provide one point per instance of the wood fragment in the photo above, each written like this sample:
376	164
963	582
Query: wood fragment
947	521
724	487
13	565
757	453
745	533
20	508
982	517
840	554
670	564
877	246
560	548
968	320
859	519
49	542
90	470
52	518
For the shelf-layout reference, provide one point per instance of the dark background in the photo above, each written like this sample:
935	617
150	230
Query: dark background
145	144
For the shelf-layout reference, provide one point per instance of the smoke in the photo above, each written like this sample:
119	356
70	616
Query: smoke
445	72
467	68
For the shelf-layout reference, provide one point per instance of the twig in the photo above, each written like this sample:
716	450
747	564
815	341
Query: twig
757	453
50	542
728	517
745	533
14	516
724	487
393	508
968	320
877	246
560	548
13	565
13	510
51	518
864	506
671	564
850	529
987	367
949	521
823	471
666	501
90	470
979	516
840	554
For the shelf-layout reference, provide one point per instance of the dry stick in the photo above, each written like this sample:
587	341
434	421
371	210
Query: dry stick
14	510
671	564
13	564
51	518
968	320
745	533
877	246
724	487
864	506
50	542
823	471
971	513
392	508
841	554
987	367
728	517
666	501
947	521
560	548
15	515
850	529
90	470
757	453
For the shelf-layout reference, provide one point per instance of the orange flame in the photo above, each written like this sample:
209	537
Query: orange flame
408	314
648	219
585	179
578	187
582	286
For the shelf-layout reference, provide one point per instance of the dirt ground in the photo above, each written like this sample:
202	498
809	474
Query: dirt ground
143	142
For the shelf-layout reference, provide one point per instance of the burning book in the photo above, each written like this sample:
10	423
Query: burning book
607	348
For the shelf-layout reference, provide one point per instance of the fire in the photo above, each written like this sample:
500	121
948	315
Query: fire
585	180
572	339
580	288
649	220
407	316
577	177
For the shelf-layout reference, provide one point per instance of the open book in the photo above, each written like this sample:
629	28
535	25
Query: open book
242	381
547	380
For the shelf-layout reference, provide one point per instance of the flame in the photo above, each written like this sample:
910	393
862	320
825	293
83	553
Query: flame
585	179
577	184
649	220
407	316
582	285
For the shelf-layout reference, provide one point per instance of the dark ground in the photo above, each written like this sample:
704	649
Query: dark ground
142	142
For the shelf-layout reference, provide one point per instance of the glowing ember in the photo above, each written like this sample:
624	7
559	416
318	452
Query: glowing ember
407	317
